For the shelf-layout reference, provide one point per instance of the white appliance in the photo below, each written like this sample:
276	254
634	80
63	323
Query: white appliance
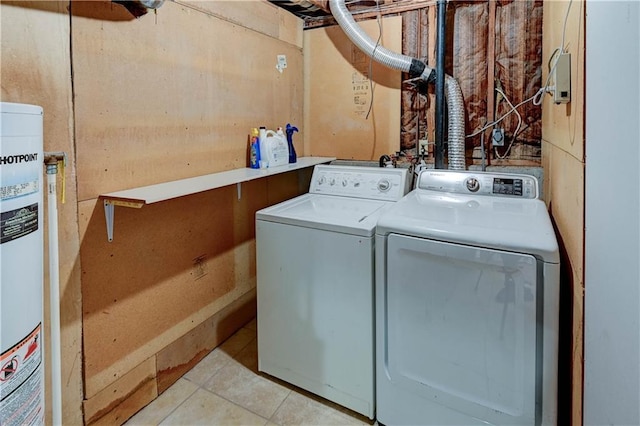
315	283
21	265
467	289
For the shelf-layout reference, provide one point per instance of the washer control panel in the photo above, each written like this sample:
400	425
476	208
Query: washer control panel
376	183
479	183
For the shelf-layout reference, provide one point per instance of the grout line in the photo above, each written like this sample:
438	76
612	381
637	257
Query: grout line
236	404
280	406
172	410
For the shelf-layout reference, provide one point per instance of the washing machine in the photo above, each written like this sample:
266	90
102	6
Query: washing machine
467	289
315	283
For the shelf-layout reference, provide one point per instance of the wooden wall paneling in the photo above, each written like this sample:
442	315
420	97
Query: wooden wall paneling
173	94
170	266
491	80
35	61
564	124
177	358
117	402
258	15
338	94
564	164
564	178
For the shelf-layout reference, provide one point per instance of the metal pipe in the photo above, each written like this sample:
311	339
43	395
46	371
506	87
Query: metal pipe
440	77
416	69
51	160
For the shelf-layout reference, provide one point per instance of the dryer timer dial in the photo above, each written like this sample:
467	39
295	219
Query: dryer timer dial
384	185
473	184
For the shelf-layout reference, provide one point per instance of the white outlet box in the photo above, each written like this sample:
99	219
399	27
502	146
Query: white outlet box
424	147
562	79
497	137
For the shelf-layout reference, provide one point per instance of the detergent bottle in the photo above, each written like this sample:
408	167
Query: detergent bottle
292	151
262	137
276	148
254	149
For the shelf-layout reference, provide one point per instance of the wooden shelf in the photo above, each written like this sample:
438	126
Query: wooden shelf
138	197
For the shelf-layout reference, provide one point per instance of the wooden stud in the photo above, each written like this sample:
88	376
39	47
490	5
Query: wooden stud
491	67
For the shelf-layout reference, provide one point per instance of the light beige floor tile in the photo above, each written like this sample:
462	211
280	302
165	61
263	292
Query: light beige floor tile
247	389
162	406
205	408
219	357
208	366
236	342
248	356
299	409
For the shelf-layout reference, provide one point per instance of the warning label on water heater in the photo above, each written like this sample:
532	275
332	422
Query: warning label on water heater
17	223
21	384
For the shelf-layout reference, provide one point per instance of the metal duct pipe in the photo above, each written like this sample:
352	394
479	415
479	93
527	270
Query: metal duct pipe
415	68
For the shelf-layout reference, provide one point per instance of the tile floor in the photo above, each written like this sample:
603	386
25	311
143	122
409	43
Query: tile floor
225	388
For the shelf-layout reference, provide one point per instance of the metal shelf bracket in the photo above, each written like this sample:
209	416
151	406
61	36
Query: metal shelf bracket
109	211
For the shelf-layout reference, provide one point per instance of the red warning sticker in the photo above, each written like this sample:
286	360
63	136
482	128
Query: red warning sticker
21	382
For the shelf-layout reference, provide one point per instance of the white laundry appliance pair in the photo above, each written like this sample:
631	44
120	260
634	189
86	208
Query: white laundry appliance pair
467	295
315	283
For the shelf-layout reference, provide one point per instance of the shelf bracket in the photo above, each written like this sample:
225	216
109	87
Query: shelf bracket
109	211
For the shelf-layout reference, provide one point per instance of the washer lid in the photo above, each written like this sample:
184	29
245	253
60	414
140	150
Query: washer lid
518	225
327	212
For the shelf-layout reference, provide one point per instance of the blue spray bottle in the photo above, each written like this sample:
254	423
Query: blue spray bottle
292	151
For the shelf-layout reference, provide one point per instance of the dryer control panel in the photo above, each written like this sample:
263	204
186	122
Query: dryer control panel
479	183
375	183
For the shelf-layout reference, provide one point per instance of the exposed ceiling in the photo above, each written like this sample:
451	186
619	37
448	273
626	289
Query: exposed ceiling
316	13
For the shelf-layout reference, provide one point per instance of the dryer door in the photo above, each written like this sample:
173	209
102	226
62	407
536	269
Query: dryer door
461	328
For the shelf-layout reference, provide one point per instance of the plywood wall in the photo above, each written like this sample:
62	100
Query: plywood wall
564	163
348	115
169	95
172	95
35	69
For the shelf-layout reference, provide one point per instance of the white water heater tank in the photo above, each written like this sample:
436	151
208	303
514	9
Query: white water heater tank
21	265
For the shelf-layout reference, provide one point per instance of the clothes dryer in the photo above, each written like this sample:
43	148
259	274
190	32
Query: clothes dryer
467	289
315	283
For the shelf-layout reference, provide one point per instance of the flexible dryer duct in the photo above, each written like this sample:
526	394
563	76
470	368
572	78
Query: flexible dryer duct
415	68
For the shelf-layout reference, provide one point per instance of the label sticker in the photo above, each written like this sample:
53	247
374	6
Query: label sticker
18	190
21	382
17	223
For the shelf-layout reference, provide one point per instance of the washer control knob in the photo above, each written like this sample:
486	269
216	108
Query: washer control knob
384	185
344	182
321	180
332	181
473	185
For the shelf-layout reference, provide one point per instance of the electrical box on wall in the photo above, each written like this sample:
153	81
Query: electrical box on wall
562	79
497	137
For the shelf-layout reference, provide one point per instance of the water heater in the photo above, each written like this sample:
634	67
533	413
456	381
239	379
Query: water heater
21	265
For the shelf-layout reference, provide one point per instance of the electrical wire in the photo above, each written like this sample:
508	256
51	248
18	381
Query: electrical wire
505	115
371	82
564	27
513	138
561	49
536	99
